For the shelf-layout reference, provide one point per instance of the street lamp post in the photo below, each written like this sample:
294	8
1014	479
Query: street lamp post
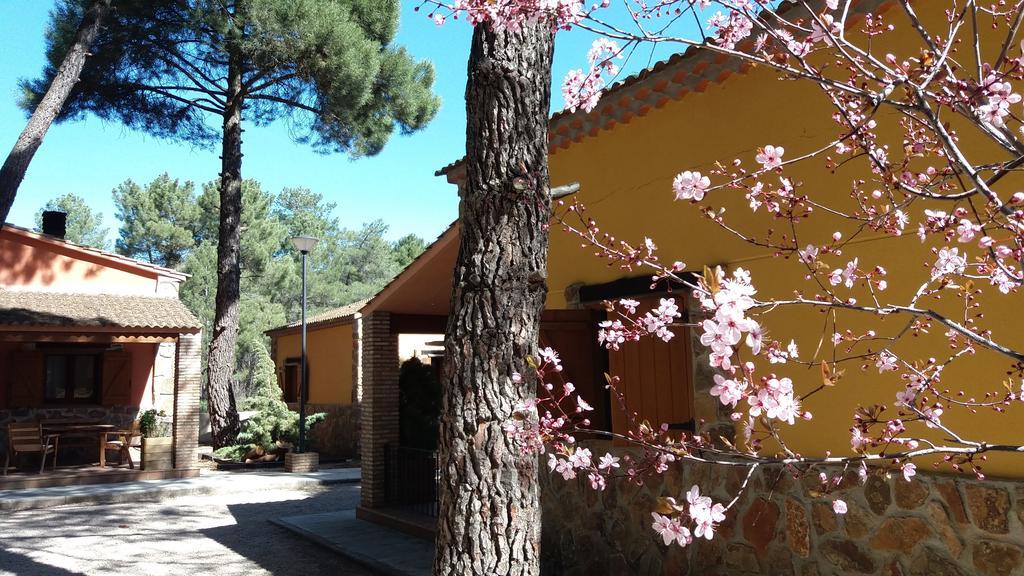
305	245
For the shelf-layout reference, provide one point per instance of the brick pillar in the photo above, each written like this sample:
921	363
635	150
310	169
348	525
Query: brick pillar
188	379
379	411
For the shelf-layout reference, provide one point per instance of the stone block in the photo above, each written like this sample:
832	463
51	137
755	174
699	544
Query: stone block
933	562
941	523
780	561
989	506
995	558
878	494
858	521
301	463
798	531
740	557
951	494
824	518
910	495
900	534
760	523
848	557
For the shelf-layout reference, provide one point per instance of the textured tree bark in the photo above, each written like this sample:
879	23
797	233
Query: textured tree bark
14	168
489	507
221	361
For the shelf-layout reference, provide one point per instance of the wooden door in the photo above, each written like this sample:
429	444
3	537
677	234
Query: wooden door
573	334
116	379
655	378
27	375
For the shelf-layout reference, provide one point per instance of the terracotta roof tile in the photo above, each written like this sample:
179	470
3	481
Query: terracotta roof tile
57	309
694	69
326	317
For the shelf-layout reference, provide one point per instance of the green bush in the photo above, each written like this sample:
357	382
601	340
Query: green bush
419	401
153	425
273	422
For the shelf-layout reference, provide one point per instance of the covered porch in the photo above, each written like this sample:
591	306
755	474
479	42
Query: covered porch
78	370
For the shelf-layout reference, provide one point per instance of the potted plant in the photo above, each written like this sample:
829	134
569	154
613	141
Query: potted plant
157	442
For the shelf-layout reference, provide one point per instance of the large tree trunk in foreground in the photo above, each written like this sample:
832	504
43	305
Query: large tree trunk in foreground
489	502
14	168
221	363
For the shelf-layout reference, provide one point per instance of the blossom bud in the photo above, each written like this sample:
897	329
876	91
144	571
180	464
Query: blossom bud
837	236
985	242
1017	198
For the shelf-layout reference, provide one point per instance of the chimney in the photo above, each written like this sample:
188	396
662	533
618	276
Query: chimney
55	223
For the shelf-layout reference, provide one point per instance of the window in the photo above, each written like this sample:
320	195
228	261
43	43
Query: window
290	386
72	377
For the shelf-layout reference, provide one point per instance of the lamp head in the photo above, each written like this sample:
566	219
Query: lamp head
304	244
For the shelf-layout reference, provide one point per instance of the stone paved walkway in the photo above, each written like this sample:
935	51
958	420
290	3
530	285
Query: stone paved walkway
151	490
228	534
382	550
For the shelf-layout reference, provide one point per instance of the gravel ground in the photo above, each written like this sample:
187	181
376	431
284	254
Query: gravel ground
195	535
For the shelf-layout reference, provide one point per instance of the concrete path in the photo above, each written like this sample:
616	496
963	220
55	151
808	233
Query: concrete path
382	550
208	483
213	535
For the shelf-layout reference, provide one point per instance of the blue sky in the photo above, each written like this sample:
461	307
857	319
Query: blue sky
90	157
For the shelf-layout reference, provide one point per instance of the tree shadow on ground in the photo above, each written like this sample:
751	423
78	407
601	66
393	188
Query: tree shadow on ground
186	536
279	551
22	564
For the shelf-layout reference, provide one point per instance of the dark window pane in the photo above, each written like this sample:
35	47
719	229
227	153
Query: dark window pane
56	377
84	383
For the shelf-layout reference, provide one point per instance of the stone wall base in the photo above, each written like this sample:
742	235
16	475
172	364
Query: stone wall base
301	463
935	524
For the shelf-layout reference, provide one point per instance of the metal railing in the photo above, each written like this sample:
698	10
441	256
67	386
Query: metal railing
412	479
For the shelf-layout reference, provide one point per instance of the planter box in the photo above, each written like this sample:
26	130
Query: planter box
158	453
305	462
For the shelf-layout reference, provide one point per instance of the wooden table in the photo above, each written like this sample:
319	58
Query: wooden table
100	430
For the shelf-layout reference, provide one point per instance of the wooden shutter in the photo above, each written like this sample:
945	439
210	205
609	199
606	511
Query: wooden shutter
116	378
655	378
573	334
27	376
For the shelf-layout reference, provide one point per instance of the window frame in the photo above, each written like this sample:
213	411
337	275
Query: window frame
71	354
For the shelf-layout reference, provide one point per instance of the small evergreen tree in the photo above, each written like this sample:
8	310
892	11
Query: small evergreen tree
273	420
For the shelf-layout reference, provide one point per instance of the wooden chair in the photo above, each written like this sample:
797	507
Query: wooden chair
26	438
123	441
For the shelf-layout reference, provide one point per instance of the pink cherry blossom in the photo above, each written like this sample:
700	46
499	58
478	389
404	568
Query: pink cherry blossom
608	462
670	530
909	470
839	507
770	156
690	185
949	261
729	391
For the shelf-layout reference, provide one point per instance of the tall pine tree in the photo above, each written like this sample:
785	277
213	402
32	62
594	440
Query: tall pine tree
174	67
489	517
66	61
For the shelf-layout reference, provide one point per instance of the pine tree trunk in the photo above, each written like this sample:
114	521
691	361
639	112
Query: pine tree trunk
221	363
489	502
14	168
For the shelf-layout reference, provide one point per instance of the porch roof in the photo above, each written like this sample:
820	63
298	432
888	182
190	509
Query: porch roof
34	309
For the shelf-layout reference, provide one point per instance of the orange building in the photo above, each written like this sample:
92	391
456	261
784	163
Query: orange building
687	113
92	337
332	358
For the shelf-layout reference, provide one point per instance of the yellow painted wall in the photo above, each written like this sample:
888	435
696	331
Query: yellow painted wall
329	353
626	175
